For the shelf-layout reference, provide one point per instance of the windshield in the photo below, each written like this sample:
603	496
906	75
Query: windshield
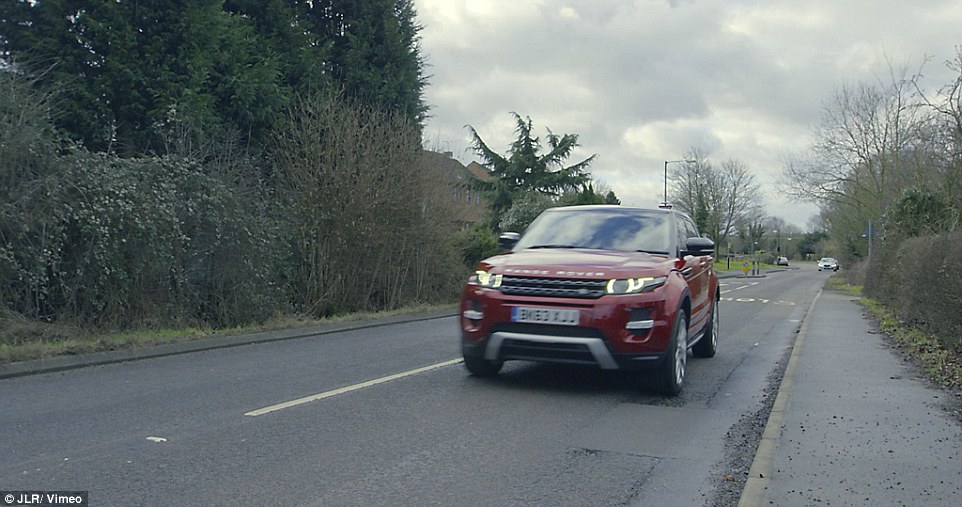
604	229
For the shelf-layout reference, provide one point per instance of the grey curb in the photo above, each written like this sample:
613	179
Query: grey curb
760	475
61	363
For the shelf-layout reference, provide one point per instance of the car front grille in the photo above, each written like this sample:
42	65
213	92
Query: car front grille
553	287
556	352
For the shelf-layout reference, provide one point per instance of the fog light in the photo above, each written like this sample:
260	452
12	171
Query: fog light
473	315
640	325
640	321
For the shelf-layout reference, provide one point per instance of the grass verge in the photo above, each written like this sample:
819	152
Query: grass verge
24	340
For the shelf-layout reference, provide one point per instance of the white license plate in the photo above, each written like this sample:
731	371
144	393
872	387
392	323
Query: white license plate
545	316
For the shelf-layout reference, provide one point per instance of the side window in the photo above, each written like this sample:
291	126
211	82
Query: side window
692	231
681	231
686	229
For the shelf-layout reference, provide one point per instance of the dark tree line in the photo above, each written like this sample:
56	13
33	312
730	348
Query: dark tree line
134	77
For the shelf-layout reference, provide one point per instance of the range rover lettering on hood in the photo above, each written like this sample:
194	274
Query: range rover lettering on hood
516	271
580	273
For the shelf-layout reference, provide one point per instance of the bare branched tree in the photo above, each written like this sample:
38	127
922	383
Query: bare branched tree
689	180
719	199
369	220
948	107
864	147
741	198
946	138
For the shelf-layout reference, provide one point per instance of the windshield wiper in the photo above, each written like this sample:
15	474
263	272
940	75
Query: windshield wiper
653	252
555	246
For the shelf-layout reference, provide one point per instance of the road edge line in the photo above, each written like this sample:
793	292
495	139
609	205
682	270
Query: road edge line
762	470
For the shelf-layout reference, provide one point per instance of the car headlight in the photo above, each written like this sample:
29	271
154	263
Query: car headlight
485	279
634	285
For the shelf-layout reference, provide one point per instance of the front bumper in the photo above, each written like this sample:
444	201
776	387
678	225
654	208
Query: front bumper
613	332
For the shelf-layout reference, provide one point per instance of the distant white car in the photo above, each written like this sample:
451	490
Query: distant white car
827	263
782	261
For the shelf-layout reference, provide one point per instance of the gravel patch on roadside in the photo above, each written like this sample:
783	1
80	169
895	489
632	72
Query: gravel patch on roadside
741	443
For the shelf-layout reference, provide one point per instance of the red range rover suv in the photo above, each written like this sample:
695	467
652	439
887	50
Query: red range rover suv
611	286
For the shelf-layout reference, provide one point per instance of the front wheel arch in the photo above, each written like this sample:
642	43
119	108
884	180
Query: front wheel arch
707	346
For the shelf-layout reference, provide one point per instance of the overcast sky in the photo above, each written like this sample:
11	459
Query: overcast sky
644	81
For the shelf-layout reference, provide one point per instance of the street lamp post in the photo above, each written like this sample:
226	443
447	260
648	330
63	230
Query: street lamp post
666	176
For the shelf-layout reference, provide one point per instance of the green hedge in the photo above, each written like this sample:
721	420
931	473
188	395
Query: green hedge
149	241
920	278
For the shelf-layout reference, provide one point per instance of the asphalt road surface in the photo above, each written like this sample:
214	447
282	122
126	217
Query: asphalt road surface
388	416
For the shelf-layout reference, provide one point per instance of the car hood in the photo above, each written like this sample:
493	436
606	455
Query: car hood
579	263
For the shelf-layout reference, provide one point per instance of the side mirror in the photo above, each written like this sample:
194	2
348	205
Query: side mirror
507	241
699	246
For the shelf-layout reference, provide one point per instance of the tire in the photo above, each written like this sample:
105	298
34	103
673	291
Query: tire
671	374
480	367
708	345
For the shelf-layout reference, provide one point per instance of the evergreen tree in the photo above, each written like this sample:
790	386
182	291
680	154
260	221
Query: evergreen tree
526	169
135	75
128	71
374	52
284	27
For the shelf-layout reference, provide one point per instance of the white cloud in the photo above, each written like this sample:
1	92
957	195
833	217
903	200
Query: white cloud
642	81
569	13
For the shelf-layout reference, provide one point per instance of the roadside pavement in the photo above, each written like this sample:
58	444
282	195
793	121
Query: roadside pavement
853	425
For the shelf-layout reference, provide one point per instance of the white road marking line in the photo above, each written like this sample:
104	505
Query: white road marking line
757	300
752	284
347	389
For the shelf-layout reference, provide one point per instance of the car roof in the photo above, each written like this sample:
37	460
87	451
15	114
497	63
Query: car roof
615	207
607	207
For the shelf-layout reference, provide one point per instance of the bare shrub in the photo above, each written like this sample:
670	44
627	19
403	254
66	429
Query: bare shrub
931	277
370	224
919	278
856	274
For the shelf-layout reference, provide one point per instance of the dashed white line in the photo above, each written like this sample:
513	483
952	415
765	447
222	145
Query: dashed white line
750	284
758	300
347	389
